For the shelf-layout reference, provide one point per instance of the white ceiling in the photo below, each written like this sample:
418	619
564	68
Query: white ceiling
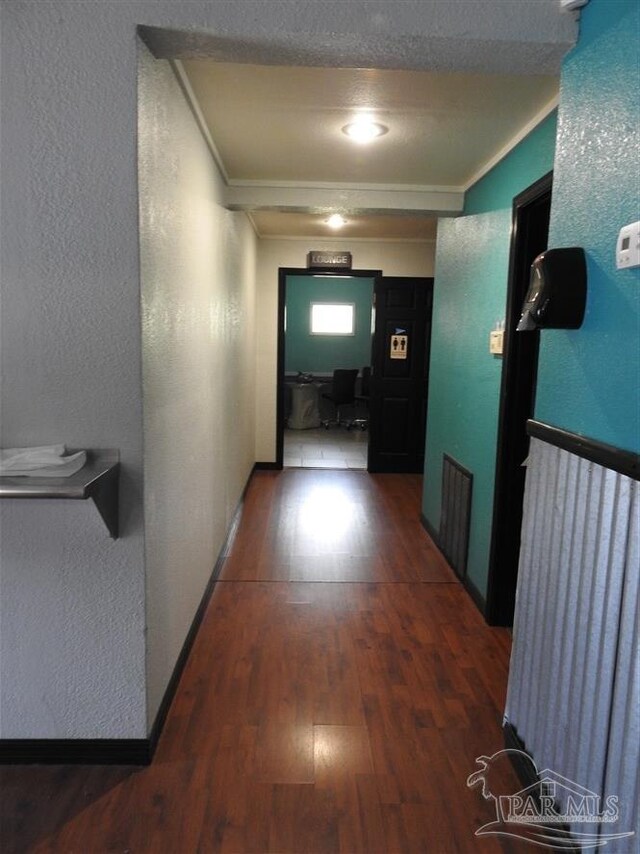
282	125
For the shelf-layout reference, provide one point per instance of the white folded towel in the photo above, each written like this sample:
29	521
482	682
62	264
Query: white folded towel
43	461
26	458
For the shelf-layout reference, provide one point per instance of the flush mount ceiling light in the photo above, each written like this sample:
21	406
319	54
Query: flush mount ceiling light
336	220
364	129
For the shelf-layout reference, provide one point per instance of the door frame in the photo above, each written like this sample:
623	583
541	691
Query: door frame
507	513
283	272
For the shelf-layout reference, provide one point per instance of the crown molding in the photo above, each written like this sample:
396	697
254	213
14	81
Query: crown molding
254	225
192	101
515	140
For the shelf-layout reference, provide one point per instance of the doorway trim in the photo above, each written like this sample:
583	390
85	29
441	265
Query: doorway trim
507	513
283	272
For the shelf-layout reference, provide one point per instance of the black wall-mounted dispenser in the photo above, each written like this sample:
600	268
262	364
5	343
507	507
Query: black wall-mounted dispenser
557	292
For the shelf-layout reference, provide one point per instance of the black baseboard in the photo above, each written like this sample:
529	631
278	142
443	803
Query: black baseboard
75	751
525	769
172	687
121	751
170	691
426	524
267	467
476	597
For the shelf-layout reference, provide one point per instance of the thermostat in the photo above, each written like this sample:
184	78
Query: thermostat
628	247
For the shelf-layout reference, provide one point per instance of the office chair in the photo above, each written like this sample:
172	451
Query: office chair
343	393
363	397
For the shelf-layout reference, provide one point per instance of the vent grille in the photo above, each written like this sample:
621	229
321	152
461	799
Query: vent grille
455	518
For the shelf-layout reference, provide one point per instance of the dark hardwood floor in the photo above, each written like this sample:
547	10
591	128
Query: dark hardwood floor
339	690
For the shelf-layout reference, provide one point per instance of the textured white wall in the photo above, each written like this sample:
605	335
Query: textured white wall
72	605
197	277
394	259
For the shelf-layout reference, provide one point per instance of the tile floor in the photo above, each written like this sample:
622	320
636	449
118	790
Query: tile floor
336	448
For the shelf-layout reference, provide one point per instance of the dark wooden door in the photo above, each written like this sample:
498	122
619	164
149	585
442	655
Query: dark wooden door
399	377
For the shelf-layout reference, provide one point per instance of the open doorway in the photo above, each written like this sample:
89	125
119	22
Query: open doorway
325	326
530	230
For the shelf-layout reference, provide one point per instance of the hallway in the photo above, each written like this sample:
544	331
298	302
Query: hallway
336	697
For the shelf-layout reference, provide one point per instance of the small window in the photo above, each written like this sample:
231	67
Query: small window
332	318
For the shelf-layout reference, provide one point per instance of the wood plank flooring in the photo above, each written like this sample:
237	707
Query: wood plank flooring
339	690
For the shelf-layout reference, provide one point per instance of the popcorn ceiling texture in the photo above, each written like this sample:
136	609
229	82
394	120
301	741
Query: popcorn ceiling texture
513	36
73	602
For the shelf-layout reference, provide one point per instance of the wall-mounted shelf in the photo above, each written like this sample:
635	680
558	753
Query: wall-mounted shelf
98	479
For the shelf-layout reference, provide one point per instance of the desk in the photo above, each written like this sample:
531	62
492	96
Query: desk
305	410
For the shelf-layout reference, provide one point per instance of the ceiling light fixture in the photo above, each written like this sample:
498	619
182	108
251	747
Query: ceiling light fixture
336	220
364	129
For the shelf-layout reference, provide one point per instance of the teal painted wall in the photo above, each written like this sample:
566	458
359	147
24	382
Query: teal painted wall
472	260
524	165
320	353
588	378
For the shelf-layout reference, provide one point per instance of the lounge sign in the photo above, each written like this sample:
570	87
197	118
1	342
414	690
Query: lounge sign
329	259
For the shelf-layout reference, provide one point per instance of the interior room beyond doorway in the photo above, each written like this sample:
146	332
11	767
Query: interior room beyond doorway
326	449
328	328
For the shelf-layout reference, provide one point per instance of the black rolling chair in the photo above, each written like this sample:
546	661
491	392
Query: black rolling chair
363	398
343	393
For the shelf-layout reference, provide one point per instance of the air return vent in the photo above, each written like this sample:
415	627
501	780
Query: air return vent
456	513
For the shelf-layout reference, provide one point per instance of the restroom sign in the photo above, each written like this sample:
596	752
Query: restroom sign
399	346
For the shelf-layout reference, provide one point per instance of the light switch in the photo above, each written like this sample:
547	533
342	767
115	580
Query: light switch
496	342
628	247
